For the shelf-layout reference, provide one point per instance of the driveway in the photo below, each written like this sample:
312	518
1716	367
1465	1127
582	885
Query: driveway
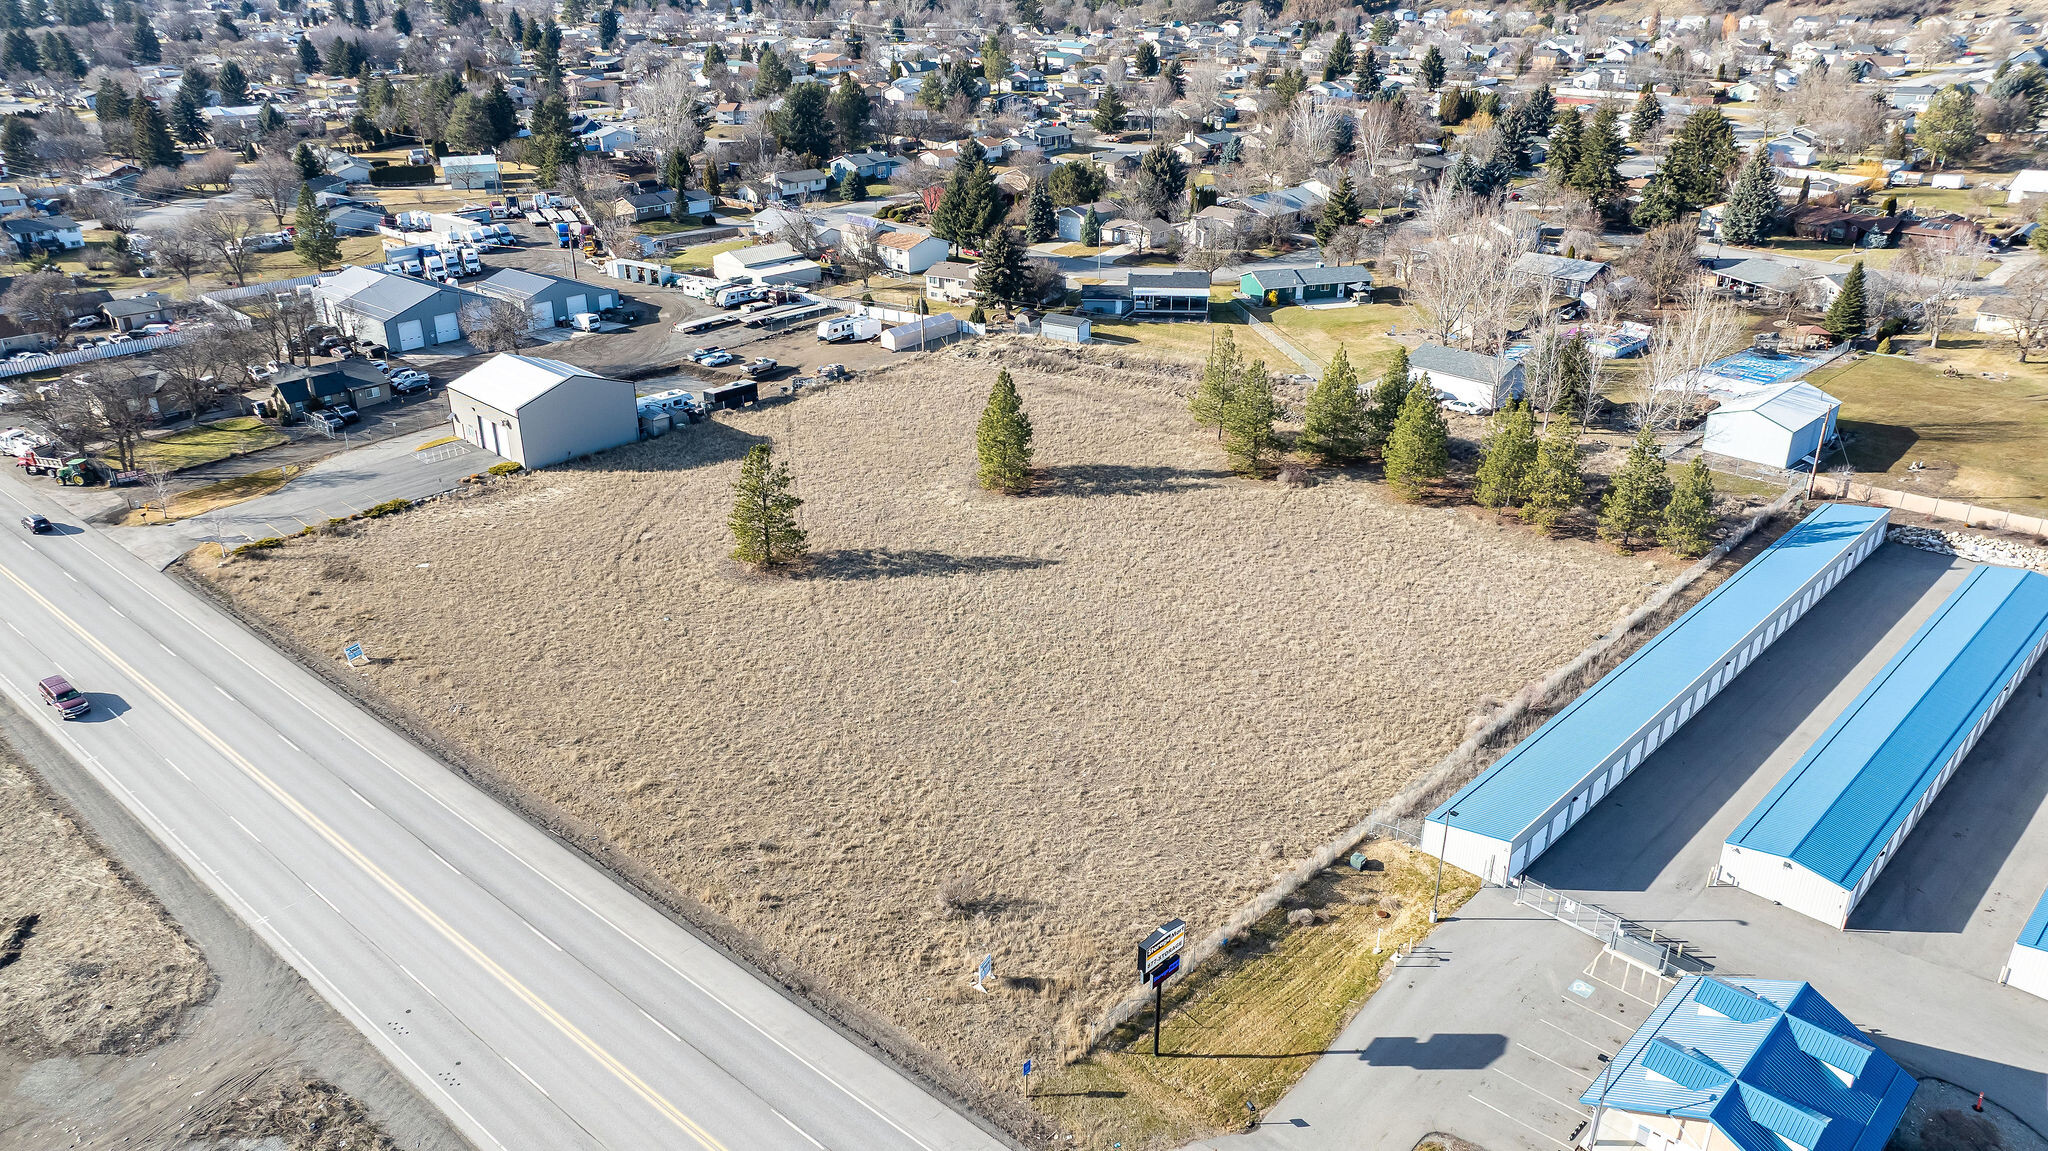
340	485
1493	1035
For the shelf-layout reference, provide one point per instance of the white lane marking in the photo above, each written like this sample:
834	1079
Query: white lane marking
244	827
543	937
658	1023
68	575
525	1076
222	690
167	651
359	795
15	630
444	861
121	719
115	610
1547	1137
180	771
1571	1107
799	1130
1547	1059
295	747
1601	1014
1588	1042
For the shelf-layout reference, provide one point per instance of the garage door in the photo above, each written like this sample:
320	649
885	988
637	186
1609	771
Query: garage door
410	336
606	300
578	304
544	314
446	329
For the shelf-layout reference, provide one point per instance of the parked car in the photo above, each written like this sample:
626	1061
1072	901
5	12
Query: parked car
157	329
69	701
717	359
383	366
37	525
83	322
407	382
328	420
702	352
120	338
1466	407
348	414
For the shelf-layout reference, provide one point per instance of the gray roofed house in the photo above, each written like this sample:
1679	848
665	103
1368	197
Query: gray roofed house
1756	275
1169	295
1484	381
1566	277
138	311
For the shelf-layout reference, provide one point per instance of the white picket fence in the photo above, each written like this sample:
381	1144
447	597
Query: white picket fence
86	355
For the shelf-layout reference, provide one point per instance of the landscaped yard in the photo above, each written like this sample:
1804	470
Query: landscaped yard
699	257
1981	439
1362	331
199	501
208	442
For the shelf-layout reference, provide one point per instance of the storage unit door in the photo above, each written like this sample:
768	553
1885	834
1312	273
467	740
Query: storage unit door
577	303
544	314
446	329
410	336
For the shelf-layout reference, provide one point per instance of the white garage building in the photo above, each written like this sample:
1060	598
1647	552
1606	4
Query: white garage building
1497	825
538	412
2028	967
1821	837
1778	426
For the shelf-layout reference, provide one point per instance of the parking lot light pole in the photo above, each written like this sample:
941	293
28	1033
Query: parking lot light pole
1442	849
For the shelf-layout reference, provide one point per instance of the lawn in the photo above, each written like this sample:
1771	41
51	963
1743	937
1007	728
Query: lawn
199	501
208	442
1188	342
974	724
1361	331
1981	439
699	258
1248	1025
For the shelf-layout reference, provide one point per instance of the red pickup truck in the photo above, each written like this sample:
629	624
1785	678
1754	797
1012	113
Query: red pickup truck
69	701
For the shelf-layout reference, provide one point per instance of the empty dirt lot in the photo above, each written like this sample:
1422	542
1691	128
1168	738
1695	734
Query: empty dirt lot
1028	727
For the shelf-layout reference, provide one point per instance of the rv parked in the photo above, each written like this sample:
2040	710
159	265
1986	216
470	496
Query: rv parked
844	328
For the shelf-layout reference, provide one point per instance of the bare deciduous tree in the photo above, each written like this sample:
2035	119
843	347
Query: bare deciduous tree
1460	270
224	233
860	257
1701	329
495	325
1933	276
37	301
273	184
2024	310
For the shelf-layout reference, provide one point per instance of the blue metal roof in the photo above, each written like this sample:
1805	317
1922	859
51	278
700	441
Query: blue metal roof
1526	782
2035	933
1767	1061
1836	809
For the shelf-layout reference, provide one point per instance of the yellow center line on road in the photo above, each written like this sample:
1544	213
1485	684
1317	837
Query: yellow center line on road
446	930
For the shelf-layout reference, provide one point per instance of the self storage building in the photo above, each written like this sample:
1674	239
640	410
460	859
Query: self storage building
2028	967
1822	836
1498	824
538	412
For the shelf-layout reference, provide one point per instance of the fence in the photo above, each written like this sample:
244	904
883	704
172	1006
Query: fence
1940	509
1630	940
900	316
87	355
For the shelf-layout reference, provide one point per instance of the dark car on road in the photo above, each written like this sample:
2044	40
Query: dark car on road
36	524
69	701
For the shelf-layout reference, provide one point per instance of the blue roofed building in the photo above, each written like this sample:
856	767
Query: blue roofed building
1821	837
1498	824
1748	1065
2028	967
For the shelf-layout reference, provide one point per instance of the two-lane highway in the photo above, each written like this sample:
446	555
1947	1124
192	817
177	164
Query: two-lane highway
525	992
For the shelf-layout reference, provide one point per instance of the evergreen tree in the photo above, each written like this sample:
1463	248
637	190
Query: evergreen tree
1948	128
1341	210
1247	421
1555	485
1542	110
1176	78
1660	204
57	57
1160	181
468	130
308	163
764	512
1431	68
800	125
1146	61
401	22
1219	379
1418	452
970	208
853	188
711	184
1895	146
1040	223
515	31
143	46
1507	461
268	119
1382	32
1564	145
1289	85
18	145
1000	276
233	84
313	237
1644	119
1596	174
1340	62
1849	314
549	143
1689	517
1109	111
501	112
1002	440
771	75
359	14
111	101
1333	425
849	109
1753	202
1574	371
1511	129
1702	156
1634	504
1369	74
607	27
20	53
1387	397
154	147
309	56
1091	229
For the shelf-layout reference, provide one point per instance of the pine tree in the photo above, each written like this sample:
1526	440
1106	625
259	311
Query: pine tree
1000	276
1146	61
1387	397
18	145
1247	421
1333	426
308	163
1507	461
1091	229
711	184
764	512
313	237
1219	379
607	27
1574	372
1702	156
800	125
849	109
154	147
309	56
1002	441
143	46
1596	174
401	22
1109	111
1644	119
1040	222
1555	485
1289	85
268	119
1849	313
853	188
20	52
1660	204
1564	145
1948	128
771	75
1340	61
1431	68
1369	74
57	57
1634	504
970	208
1419	450
1753	202
1542	110
1341	210
233	85
1689	517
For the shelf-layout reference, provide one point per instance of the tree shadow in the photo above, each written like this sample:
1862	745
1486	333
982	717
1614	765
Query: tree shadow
854	564
1877	447
1086	480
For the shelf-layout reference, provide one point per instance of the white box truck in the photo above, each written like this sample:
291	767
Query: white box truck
840	329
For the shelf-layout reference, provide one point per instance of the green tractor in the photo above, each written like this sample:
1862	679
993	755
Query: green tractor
77	472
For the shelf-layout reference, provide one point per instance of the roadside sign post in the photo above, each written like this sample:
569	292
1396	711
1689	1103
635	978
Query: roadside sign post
1433	895
981	974
353	653
1027	1078
1158	961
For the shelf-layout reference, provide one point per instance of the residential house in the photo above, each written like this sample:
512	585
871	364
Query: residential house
348	169
641	206
1169	295
138	311
786	186
1561	276
1277	286
31	234
949	281
1485	382
868	165
910	251
1047	137
294	391
1068	221
609	138
1758	277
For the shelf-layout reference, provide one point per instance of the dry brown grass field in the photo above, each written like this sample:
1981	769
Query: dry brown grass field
1029	727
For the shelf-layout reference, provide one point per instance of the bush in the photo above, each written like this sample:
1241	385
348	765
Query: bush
256	547
391	174
506	468
1884	346
387	508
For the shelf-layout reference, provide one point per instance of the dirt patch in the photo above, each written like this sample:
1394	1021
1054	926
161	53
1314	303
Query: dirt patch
1029	727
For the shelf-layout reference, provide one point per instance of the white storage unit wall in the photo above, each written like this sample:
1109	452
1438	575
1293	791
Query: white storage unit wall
2028	967
1498	824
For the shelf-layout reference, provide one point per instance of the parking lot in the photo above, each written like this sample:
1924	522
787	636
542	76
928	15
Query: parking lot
1494	1032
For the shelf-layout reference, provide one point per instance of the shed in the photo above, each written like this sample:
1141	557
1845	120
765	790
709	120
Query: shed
1821	837
1779	426
472	173
538	412
1487	381
548	300
1064	328
1498	824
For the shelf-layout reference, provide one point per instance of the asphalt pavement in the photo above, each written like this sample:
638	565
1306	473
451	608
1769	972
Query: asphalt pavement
525	992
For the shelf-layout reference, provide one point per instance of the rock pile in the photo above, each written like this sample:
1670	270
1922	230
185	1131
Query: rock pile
1965	545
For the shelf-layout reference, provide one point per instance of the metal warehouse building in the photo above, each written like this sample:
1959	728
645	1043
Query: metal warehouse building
1500	822
1820	838
2028	967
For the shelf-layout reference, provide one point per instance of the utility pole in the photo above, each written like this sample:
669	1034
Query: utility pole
1443	850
